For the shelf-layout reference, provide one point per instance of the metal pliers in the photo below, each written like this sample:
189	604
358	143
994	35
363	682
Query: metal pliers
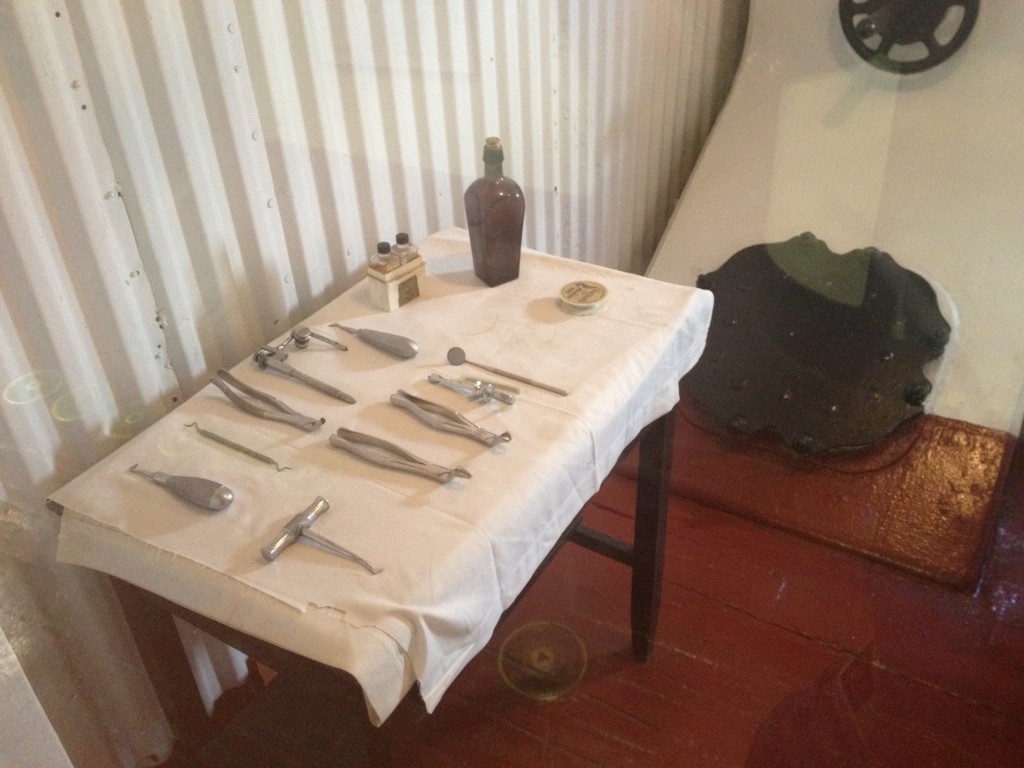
445	419
476	389
391	456
277	410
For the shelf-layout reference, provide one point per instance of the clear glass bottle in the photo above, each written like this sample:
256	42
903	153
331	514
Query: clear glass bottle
495	208
406	251
384	260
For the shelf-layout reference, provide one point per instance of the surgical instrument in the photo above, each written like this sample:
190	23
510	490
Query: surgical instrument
277	411
476	389
391	456
208	494
299	528
266	357
303	334
237	446
457	356
400	346
445	419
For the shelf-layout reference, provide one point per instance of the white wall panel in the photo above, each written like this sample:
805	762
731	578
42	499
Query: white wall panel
181	180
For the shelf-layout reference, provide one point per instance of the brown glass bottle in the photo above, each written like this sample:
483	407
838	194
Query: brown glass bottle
494	209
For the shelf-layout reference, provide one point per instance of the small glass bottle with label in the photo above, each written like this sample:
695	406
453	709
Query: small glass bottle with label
384	260
394	275
405	250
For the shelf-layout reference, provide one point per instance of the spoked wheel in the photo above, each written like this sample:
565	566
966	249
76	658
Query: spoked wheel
906	36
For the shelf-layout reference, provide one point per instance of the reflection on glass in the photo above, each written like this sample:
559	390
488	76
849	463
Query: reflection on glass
32	387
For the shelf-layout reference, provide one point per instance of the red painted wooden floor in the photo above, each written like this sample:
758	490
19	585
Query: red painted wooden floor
772	651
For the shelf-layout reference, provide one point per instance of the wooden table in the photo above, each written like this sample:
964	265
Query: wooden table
151	620
621	368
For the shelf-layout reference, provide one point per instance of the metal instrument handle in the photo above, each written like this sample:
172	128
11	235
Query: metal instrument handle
267	360
400	346
523	379
278	545
207	494
294	527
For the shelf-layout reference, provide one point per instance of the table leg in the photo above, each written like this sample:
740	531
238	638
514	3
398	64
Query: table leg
396	743
654	481
393	745
646	555
166	663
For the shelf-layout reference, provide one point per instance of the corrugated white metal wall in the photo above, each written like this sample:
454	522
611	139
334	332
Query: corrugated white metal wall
182	179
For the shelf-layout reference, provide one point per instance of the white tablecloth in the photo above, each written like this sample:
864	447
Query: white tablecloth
455	555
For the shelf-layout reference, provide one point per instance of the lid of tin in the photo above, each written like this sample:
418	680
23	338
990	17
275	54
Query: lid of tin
582	297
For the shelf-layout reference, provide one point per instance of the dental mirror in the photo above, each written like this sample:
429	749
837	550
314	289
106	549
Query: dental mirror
457	356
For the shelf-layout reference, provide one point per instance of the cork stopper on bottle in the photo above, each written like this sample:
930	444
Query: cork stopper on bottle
493	152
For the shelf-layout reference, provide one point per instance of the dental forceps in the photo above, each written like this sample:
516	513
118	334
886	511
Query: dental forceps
391	456
277	411
476	389
445	419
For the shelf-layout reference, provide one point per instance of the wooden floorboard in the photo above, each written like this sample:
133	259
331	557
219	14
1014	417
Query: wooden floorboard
772	651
